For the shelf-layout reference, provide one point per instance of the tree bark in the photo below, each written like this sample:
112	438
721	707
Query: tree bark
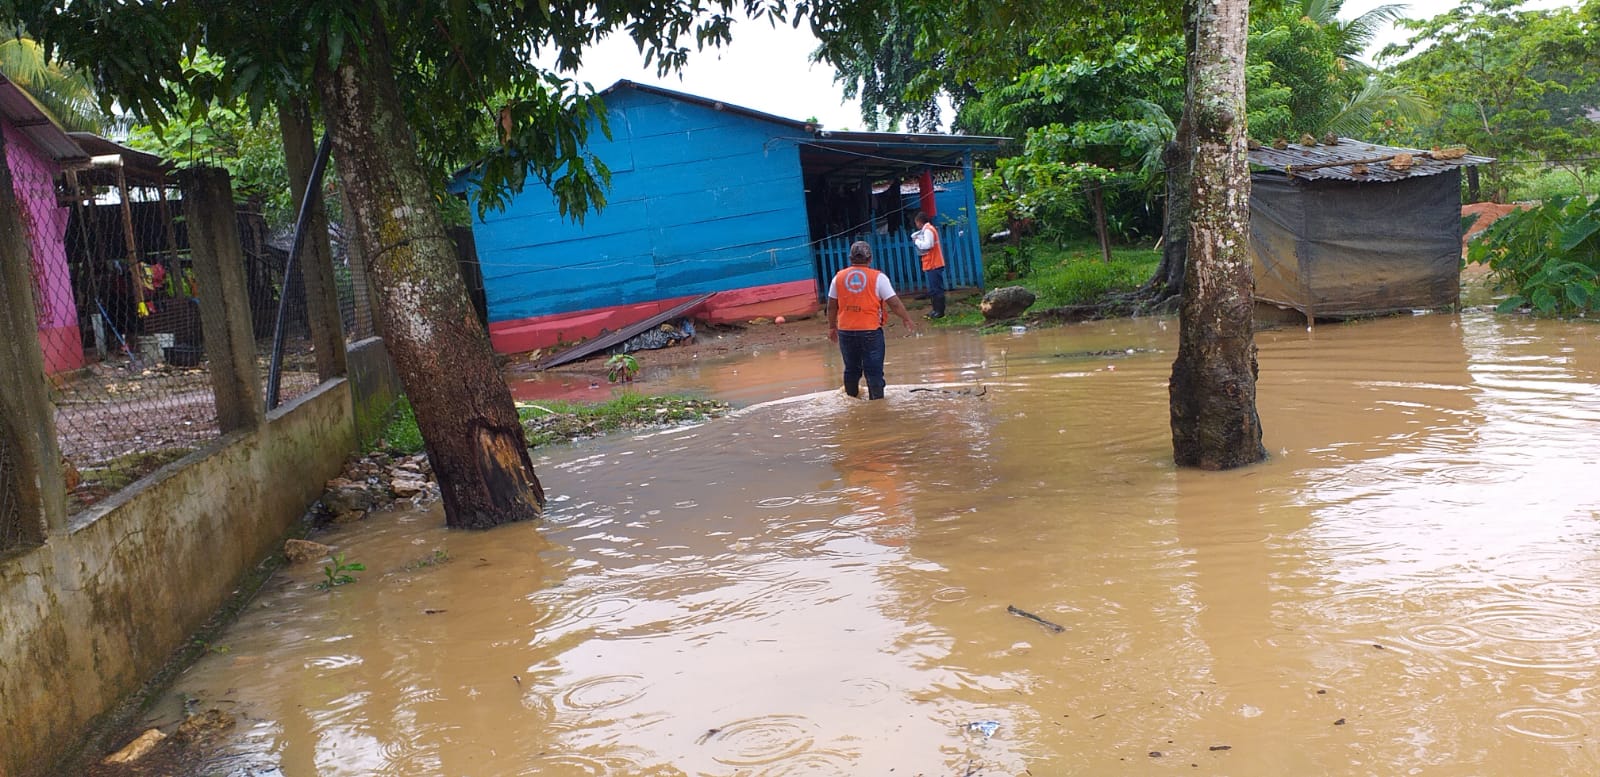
1097	205
463	407
1213	388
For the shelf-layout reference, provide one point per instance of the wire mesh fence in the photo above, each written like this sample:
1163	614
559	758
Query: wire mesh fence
118	322
355	292
15	529
276	294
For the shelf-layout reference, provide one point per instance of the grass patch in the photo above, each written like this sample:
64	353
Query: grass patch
550	422
1069	274
401	434
556	421
1548	182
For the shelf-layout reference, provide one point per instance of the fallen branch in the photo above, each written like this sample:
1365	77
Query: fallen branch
1055	627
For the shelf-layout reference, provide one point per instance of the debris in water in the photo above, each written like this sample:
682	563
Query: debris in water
1339	722
1215	748
1055	627
706	737
984	727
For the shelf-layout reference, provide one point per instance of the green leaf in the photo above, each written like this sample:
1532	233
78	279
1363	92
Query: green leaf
1579	294
1511	304
1575	234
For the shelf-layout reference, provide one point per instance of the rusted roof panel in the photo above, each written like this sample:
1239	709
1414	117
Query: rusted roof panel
1355	160
142	168
23	112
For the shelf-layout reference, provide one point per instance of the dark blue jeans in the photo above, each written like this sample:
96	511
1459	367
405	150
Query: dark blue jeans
935	279
863	353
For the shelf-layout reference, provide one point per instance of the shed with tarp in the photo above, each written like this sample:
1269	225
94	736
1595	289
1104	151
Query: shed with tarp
1351	228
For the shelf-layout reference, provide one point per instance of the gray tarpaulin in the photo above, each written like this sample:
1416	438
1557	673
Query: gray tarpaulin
1332	248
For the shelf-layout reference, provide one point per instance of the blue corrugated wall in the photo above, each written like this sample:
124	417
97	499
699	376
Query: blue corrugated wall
720	205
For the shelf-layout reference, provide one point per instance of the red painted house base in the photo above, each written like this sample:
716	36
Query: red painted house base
62	347
796	298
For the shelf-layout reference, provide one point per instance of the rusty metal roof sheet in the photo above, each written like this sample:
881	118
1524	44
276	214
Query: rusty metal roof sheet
34	122
1355	160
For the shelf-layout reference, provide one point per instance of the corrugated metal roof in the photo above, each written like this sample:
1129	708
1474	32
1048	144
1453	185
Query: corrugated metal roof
716	105
141	167
1355	160
23	112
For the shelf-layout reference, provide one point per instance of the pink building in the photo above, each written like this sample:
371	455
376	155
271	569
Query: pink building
37	149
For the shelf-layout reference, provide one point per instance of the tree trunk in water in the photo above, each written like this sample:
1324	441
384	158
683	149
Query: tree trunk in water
1213	387
463	407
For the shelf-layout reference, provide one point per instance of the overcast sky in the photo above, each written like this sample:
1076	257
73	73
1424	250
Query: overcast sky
769	69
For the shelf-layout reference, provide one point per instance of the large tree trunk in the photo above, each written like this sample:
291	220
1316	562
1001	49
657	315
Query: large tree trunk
1213	387
462	404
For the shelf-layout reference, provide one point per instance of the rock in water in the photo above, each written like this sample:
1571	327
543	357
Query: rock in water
1007	302
138	748
302	551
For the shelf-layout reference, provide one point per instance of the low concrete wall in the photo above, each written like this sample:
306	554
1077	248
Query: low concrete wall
86	617
374	386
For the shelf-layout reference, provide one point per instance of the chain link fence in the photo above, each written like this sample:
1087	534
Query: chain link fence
14	527
118	322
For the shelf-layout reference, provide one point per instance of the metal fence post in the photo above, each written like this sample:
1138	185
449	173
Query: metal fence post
35	478
224	297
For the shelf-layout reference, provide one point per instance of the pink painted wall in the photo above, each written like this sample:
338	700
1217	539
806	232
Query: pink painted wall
33	176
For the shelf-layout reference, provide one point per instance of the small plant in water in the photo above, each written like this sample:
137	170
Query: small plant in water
622	368
439	557
338	573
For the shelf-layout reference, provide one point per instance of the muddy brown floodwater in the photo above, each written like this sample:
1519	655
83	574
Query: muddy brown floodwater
819	586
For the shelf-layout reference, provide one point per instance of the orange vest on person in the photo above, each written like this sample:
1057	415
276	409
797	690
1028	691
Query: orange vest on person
933	258
859	307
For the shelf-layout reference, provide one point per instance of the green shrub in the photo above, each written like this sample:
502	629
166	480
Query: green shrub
1548	257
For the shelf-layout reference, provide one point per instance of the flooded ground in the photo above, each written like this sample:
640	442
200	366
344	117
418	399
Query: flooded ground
820	586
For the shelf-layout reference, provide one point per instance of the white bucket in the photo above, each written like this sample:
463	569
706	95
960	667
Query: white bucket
152	347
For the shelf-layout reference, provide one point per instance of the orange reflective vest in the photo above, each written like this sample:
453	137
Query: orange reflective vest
859	306
933	258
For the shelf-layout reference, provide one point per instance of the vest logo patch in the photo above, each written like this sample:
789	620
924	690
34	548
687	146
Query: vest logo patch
855	281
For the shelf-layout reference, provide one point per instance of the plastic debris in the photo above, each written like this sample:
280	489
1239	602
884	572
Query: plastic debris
659	337
984	727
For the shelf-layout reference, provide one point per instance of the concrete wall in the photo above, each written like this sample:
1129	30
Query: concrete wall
92	605
375	386
86	617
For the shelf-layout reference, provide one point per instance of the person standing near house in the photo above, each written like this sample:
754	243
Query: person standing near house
926	239
859	300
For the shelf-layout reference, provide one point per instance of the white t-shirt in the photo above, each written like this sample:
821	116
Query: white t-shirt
925	238
885	288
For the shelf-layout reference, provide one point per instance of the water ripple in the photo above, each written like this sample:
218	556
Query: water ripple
603	692
763	740
1545	724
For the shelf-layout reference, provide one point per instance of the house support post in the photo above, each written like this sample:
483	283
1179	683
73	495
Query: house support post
224	300
316	257
27	418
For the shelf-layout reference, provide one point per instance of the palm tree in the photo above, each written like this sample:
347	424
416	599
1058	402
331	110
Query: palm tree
63	92
1351	38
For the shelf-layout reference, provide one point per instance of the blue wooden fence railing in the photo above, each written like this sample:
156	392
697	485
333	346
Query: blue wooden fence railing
895	255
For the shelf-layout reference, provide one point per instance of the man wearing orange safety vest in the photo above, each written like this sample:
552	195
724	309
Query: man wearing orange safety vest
858	300
926	239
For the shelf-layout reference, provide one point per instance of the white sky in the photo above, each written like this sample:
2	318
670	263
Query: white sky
763	68
769	69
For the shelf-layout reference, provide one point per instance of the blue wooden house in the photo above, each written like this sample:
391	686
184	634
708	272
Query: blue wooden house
709	198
